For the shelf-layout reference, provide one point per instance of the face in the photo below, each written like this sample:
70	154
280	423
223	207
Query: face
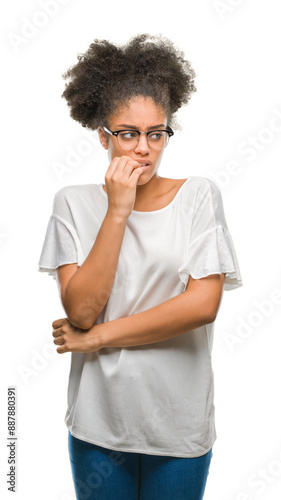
141	113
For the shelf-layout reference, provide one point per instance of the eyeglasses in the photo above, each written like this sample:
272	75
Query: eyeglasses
128	139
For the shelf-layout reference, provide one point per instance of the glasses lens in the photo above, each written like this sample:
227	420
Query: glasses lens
157	139
128	139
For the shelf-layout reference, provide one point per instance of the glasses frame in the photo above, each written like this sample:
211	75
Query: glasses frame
169	131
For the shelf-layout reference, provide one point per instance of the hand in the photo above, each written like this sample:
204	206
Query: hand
121	183
72	339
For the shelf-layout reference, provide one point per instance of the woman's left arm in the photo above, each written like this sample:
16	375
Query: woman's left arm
195	307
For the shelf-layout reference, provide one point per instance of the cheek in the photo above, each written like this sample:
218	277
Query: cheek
158	157
115	149
112	151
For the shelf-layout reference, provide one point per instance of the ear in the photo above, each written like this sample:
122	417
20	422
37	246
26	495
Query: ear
103	138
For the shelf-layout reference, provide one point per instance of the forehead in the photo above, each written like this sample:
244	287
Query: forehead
141	112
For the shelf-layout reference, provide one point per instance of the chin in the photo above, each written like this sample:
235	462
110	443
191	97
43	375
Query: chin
142	180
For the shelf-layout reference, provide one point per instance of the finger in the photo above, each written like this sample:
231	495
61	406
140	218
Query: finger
112	167
123	164
58	332
136	173
62	349
130	167
117	167
59	340
59	322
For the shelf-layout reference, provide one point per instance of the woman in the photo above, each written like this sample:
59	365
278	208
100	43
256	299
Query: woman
141	263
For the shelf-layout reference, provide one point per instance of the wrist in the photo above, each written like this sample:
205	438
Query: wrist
96	338
117	217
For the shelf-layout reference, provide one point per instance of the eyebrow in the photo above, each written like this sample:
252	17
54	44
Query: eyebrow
136	128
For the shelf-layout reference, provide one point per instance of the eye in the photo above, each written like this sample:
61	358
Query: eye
127	135
156	136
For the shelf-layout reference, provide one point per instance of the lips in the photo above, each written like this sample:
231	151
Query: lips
144	163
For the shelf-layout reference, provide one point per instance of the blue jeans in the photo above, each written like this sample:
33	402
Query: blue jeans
102	474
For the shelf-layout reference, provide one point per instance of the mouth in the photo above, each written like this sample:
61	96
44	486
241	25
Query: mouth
144	163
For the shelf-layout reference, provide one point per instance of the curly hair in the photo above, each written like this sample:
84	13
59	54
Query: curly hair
107	76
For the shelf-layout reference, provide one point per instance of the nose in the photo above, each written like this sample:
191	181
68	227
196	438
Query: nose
142	146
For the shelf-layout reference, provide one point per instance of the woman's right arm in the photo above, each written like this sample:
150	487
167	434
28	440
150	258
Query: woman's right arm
86	289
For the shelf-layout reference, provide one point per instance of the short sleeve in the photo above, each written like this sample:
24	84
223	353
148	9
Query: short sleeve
61	244
211	249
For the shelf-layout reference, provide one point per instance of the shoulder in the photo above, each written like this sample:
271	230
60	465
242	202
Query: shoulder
206	189
70	195
196	183
204	183
207	199
69	201
75	190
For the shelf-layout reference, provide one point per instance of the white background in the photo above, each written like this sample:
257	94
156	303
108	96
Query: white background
234	48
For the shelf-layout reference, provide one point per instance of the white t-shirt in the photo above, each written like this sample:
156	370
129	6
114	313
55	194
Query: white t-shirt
157	398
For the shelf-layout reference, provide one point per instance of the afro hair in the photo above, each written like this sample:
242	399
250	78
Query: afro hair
107	76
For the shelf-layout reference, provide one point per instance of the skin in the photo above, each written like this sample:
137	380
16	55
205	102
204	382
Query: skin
129	188
195	307
150	187
85	289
